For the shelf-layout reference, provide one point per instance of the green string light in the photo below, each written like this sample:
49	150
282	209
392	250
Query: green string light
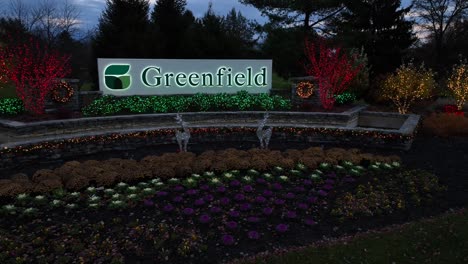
241	101
11	106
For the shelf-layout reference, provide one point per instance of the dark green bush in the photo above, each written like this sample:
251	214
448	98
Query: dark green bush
345	98
11	106
241	101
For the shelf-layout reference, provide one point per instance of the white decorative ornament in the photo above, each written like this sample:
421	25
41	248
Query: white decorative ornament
264	135
182	137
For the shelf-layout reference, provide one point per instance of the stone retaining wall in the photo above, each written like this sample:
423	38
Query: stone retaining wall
68	126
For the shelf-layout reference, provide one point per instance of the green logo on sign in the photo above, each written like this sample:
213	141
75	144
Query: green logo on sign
116	76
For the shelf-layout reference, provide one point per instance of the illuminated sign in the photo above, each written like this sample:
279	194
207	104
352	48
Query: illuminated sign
124	77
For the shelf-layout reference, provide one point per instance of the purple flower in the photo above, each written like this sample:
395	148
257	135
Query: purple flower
291	215
227	240
307	182
312	199
178	188
231	225
168	208
332	175
205	219
178	199
253	219
188	211
279	201
245	207
268	193
239	197
199	202
235	183
215	210
148	202
208	198
299	189
224	201
330	181
254	235
348	179
290	195
267	211
221	189
204	187
260	199
261	181
310	222
192	192
302	206
234	213
248	188
282	228
277	186
161	194
322	193
328	187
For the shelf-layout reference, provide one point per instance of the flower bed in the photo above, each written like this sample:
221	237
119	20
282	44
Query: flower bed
241	101
211	216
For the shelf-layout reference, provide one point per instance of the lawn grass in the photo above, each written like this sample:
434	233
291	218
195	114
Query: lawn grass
443	239
279	83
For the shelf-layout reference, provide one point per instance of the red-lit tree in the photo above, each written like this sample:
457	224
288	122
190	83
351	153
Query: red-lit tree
33	69
332	68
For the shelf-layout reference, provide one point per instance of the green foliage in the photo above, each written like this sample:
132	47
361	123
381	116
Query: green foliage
280	83
11	106
360	85
241	101
345	98
380	27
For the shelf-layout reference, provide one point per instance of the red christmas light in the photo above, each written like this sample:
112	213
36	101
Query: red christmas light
332	68
33	69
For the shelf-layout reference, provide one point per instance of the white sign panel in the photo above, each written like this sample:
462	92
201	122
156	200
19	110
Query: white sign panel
125	77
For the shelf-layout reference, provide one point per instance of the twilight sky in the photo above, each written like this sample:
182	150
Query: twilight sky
90	10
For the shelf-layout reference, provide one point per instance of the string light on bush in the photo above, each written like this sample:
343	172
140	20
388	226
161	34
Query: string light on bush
305	89
167	134
58	94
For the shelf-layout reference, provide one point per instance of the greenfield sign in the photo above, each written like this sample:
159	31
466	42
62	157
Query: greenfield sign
124	77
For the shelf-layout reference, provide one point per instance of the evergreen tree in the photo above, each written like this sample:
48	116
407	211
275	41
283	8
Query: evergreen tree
171	23
380	27
123	30
308	13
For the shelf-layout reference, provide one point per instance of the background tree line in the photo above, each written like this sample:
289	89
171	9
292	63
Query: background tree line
382	31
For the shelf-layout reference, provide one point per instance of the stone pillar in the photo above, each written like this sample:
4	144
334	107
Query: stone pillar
298	101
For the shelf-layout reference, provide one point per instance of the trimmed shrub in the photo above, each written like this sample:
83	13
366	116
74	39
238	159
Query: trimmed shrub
11	106
241	101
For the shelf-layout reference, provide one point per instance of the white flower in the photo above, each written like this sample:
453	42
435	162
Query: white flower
132	188
94	198
159	184
9	207
196	176
228	175
117	203
387	166
109	191
93	205
283	178
267	175
75	194
91	189
358	167
338	167
215	181
22	196
190	180
71	206
56	202
247	178
121	184
143	184
39	197
148	190
396	164
348	163
29	210
116	196
209	173
132	196
318	171
155	180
